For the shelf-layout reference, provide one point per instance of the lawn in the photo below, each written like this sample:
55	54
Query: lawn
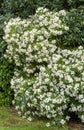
9	120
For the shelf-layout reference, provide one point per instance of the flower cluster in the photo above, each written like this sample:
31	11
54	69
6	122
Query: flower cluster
34	40
48	81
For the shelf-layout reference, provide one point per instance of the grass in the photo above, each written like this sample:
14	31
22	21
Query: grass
9	120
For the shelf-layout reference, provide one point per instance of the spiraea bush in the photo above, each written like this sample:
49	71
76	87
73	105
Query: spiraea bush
48	81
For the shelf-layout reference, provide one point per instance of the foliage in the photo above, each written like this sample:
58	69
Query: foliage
75	3
6	73
75	36
27	7
20	7
3	44
6	69
48	81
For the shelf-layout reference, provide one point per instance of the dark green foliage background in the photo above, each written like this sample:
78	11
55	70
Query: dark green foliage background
23	8
6	73
75	21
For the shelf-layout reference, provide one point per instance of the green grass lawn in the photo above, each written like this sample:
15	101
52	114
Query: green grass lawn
9	120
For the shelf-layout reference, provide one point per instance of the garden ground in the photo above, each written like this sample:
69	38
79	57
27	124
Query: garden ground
9	120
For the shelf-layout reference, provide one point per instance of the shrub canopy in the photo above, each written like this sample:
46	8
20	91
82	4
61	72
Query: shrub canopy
48	81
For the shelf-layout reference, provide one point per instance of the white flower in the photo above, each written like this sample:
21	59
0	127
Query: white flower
82	118
63	12
19	113
29	119
62	121
48	124
13	102
82	58
17	107
66	28
53	41
80	68
67	118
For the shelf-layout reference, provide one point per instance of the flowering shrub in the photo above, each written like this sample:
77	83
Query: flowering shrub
48	81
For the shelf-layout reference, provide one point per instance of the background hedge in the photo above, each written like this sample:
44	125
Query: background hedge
6	73
28	7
